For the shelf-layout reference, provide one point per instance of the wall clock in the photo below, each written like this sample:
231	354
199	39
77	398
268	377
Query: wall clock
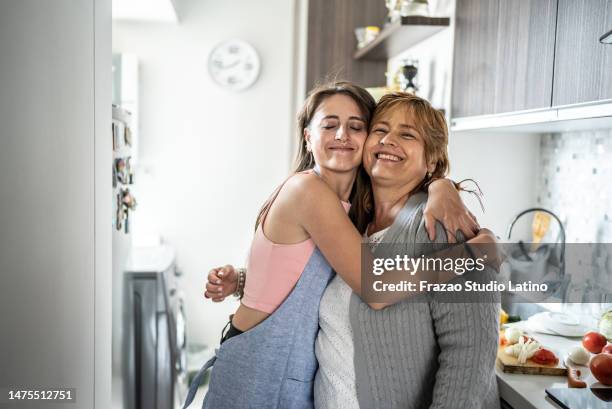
234	65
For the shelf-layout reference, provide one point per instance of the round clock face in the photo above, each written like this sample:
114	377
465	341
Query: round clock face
234	64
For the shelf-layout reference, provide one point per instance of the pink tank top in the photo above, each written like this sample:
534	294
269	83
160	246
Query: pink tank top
274	269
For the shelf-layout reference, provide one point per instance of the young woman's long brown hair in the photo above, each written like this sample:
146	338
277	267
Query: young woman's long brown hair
304	159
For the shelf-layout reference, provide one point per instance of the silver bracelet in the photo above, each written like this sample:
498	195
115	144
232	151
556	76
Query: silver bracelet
239	293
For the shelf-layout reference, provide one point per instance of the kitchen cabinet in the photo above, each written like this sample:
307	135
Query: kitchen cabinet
475	57
583	66
504	55
331	42
525	55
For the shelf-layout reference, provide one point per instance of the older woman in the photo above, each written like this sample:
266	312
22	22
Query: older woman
404	154
419	354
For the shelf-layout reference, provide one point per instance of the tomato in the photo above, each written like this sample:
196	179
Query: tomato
544	357
594	342
607	349
601	368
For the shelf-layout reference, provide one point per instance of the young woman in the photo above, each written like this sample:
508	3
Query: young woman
267	357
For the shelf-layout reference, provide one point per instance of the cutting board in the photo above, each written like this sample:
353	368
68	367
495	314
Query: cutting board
511	364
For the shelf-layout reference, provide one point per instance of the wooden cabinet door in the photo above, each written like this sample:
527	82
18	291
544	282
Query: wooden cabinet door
525	55
475	52
331	42
583	66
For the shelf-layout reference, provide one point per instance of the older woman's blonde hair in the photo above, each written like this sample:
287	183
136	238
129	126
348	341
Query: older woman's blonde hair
431	125
429	122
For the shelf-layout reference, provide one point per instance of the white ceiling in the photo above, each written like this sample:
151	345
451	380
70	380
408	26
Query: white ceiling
145	10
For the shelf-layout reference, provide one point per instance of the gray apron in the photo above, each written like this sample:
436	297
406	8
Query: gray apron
273	364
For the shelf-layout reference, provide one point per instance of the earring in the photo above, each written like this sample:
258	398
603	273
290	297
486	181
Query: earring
429	175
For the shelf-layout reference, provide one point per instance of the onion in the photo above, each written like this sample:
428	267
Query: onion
523	350
579	355
512	335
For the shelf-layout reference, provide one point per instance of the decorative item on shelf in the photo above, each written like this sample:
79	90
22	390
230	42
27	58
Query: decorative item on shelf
407	75
393	79
360	36
414	8
365	35
378	92
394	10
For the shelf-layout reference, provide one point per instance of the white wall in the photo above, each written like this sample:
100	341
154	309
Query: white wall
505	165
210	157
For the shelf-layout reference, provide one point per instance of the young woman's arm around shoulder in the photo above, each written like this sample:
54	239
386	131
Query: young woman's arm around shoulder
322	216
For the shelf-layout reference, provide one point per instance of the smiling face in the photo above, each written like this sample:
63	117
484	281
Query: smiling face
394	153
336	134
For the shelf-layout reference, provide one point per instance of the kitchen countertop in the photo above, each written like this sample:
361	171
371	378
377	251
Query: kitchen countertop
528	391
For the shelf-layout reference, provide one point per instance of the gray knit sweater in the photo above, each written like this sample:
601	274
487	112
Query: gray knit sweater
425	354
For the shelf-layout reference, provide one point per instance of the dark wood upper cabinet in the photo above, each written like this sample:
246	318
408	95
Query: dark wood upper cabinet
331	42
504	56
583	66
525	55
475	53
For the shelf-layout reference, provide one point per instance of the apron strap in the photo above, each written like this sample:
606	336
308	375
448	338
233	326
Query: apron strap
197	380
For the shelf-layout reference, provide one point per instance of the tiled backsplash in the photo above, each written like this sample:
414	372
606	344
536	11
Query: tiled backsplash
575	182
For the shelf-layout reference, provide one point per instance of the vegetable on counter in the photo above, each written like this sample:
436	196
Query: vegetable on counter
504	318
579	355
605	325
594	342
512	335
545	357
523	350
601	368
